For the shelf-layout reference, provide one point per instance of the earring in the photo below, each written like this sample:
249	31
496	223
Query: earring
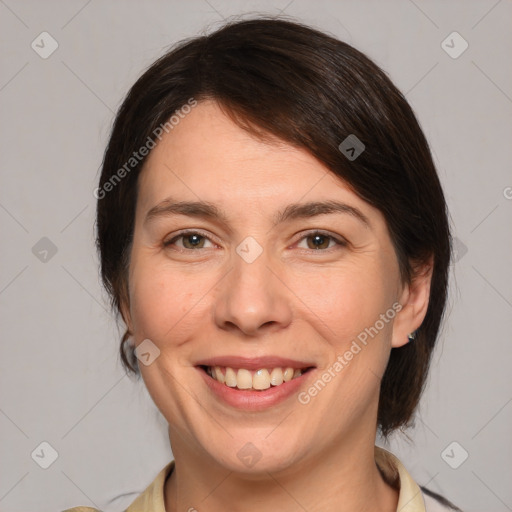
412	336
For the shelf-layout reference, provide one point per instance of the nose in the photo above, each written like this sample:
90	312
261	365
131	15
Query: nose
253	299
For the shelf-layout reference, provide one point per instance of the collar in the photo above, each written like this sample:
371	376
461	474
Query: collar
410	496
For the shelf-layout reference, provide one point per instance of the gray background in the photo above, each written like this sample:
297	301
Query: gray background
60	377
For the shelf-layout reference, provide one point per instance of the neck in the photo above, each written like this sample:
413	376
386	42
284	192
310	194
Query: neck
343	480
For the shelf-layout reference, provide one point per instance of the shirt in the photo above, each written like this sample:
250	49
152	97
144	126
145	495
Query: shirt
411	498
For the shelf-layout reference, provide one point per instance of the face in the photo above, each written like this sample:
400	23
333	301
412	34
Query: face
273	267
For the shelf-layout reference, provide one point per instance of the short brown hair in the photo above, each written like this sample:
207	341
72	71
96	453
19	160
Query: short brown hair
281	78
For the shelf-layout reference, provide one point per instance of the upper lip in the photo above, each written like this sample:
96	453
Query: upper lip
254	363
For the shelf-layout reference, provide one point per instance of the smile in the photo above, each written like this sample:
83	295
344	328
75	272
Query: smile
254	383
253	380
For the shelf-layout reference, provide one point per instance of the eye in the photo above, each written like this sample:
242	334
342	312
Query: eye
190	240
318	240
315	240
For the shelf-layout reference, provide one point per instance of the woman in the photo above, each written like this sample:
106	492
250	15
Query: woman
273	232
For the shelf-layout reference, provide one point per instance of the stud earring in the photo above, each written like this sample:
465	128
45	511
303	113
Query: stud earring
412	336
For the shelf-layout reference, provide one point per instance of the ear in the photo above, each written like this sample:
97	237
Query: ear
414	300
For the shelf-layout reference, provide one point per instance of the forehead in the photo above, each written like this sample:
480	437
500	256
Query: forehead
208	157
207	145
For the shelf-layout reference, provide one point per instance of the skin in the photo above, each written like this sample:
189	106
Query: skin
293	301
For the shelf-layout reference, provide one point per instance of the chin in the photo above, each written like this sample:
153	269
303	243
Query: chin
255	452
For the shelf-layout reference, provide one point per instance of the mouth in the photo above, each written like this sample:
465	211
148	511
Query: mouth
245	379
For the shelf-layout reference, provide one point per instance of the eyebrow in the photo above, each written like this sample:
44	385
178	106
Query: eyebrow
203	209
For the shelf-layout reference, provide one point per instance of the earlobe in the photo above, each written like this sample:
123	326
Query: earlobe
414	300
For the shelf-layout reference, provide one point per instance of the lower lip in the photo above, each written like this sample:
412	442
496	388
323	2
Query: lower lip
254	400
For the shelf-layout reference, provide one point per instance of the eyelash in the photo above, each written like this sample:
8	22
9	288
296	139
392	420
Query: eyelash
339	241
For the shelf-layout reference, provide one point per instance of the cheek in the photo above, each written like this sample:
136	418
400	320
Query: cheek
344	302
344	307
163	302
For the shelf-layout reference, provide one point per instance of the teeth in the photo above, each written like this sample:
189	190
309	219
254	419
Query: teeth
218	375
244	379
258	380
231	380
261	379
276	377
288	374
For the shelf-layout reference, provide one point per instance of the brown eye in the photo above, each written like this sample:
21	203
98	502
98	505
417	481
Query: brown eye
318	241
193	241
189	241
